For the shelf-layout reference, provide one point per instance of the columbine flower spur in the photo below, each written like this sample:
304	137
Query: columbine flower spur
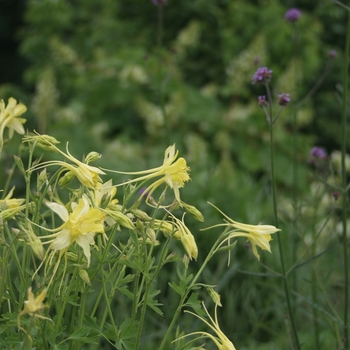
173	173
258	235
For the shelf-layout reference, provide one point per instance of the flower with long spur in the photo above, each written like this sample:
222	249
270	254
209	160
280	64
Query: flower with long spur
220	339
258	235
9	118
88	175
79	226
173	173
33	306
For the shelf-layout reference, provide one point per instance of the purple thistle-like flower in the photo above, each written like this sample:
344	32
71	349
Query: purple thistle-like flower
332	54
284	99
159	2
263	74
292	15
262	101
317	155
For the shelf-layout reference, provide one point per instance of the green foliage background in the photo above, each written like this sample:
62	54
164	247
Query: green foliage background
127	79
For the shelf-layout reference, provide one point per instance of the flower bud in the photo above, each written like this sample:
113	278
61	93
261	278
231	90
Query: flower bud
190	245
41	180
84	276
121	219
66	179
92	157
193	211
214	295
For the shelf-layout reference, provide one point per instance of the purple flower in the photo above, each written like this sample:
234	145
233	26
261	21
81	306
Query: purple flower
317	155
262	101
159	2
284	99
292	15
332	54
263	74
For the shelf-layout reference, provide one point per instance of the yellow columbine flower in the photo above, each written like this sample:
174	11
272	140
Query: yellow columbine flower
9	202
79	226
9	207
9	118
173	172
258	235
220	340
88	175
33	306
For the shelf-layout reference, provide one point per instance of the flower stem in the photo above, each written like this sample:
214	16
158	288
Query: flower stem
345	195
274	204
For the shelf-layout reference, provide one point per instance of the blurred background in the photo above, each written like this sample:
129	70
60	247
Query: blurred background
128	78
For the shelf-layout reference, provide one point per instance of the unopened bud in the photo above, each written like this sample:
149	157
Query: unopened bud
84	276
121	219
92	157
66	179
41	180
214	295
141	214
151	234
193	211
190	246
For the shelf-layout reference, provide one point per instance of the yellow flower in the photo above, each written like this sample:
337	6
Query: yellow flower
258	235
220	340
9	207
33	306
88	175
9	118
173	173
9	202
79	226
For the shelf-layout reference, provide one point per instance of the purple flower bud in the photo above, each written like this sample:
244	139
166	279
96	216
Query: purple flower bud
332	54
263	74
262	101
317	155
292	15
284	99
159	2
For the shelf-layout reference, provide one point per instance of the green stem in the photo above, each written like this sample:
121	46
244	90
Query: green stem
274	204
189	288
344	196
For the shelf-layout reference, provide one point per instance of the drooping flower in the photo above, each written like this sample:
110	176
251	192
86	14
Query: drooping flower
262	75
258	235
79	226
284	99
88	175
33	306
9	118
220	339
173	173
178	230
292	15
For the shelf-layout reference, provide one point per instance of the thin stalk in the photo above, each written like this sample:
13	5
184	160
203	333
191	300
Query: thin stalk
189	288
344	197
274	205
